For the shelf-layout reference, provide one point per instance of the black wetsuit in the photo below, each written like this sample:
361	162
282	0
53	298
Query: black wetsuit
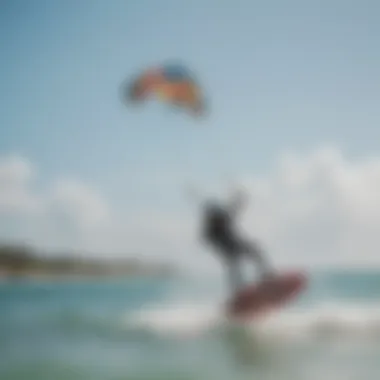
218	230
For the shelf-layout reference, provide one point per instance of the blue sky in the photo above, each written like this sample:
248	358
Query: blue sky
278	76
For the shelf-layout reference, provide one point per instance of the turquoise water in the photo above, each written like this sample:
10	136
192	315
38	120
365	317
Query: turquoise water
173	329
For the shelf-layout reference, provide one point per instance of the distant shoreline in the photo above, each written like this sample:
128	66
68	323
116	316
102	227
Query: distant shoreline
23	263
30	278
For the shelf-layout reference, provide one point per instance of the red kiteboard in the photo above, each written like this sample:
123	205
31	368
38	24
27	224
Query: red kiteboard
258	299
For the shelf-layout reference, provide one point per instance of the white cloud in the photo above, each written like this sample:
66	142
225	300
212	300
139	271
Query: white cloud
319	208
315	208
60	216
80	203
71	215
15	193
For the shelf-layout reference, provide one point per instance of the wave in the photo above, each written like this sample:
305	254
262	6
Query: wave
323	320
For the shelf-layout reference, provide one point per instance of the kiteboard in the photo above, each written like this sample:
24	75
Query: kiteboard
257	300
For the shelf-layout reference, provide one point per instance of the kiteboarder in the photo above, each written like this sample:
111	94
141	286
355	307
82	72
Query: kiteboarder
219	231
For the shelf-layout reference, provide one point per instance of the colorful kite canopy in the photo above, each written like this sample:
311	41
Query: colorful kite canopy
173	84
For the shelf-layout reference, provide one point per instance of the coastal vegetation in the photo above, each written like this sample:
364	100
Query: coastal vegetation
24	261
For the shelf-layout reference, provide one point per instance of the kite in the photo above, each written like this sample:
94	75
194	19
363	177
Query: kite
173	84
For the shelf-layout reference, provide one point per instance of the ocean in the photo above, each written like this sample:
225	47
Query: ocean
166	329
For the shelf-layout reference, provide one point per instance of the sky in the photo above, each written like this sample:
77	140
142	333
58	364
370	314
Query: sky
292	89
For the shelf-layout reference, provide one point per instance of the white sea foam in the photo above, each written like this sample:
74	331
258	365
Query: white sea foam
329	320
